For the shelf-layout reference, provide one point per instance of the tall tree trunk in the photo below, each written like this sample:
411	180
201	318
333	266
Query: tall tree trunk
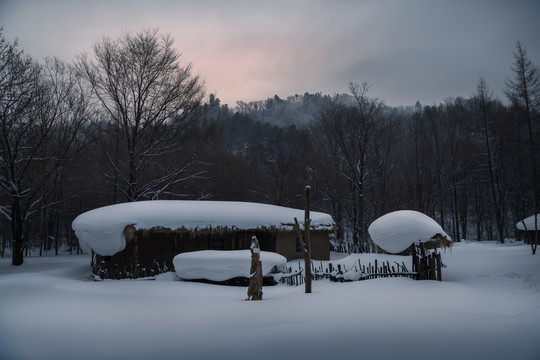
4	236
464	214
132	186
456	216
17	232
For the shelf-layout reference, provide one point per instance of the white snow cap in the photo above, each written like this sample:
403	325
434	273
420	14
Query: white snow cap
221	265
529	223
396	231
102	229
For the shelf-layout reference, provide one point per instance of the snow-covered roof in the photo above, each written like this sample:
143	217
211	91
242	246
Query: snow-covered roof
396	231
222	265
529	223
102	229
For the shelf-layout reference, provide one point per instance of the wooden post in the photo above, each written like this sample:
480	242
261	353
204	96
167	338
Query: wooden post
414	259
439	266
305	240
307	223
135	255
307	258
255	273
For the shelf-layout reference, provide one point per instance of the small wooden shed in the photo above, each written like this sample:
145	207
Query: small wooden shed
401	230
140	239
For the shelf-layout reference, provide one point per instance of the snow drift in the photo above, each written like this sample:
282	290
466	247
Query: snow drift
396	231
216	265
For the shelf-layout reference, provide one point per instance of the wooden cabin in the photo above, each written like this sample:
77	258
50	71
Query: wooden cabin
140	239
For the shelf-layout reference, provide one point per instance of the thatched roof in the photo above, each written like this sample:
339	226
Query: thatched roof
437	241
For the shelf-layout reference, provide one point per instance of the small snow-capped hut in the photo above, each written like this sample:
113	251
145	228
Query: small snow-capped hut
400	230
395	232
530	227
140	239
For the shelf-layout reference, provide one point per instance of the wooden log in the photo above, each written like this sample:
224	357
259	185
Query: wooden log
255	281
421	269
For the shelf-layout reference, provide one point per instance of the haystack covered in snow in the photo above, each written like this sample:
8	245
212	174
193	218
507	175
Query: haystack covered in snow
141	238
397	231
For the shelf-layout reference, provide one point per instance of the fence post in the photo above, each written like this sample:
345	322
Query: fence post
439	266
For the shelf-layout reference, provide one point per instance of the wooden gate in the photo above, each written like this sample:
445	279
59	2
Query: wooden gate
427	263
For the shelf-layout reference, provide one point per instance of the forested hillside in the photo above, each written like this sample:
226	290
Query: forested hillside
78	136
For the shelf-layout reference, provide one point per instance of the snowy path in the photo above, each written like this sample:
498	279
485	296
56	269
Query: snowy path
488	308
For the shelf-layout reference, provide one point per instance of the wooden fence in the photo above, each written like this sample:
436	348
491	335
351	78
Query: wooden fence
426	265
340	273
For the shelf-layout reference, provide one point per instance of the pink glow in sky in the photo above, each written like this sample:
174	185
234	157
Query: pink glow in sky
251	50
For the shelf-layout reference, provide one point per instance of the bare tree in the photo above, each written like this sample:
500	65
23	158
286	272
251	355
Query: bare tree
327	154
23	132
350	124
139	82
484	105
523	91
73	131
35	108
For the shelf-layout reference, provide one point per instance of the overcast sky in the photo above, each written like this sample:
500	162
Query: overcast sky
407	50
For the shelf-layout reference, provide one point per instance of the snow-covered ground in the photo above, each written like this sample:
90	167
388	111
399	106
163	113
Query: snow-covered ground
488	307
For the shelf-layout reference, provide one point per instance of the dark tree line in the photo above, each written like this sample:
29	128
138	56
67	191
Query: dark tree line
129	122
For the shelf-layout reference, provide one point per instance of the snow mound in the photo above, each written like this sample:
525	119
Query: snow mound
102	229
528	223
216	265
396	231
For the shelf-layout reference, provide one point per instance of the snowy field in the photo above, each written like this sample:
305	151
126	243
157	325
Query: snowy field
488	307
